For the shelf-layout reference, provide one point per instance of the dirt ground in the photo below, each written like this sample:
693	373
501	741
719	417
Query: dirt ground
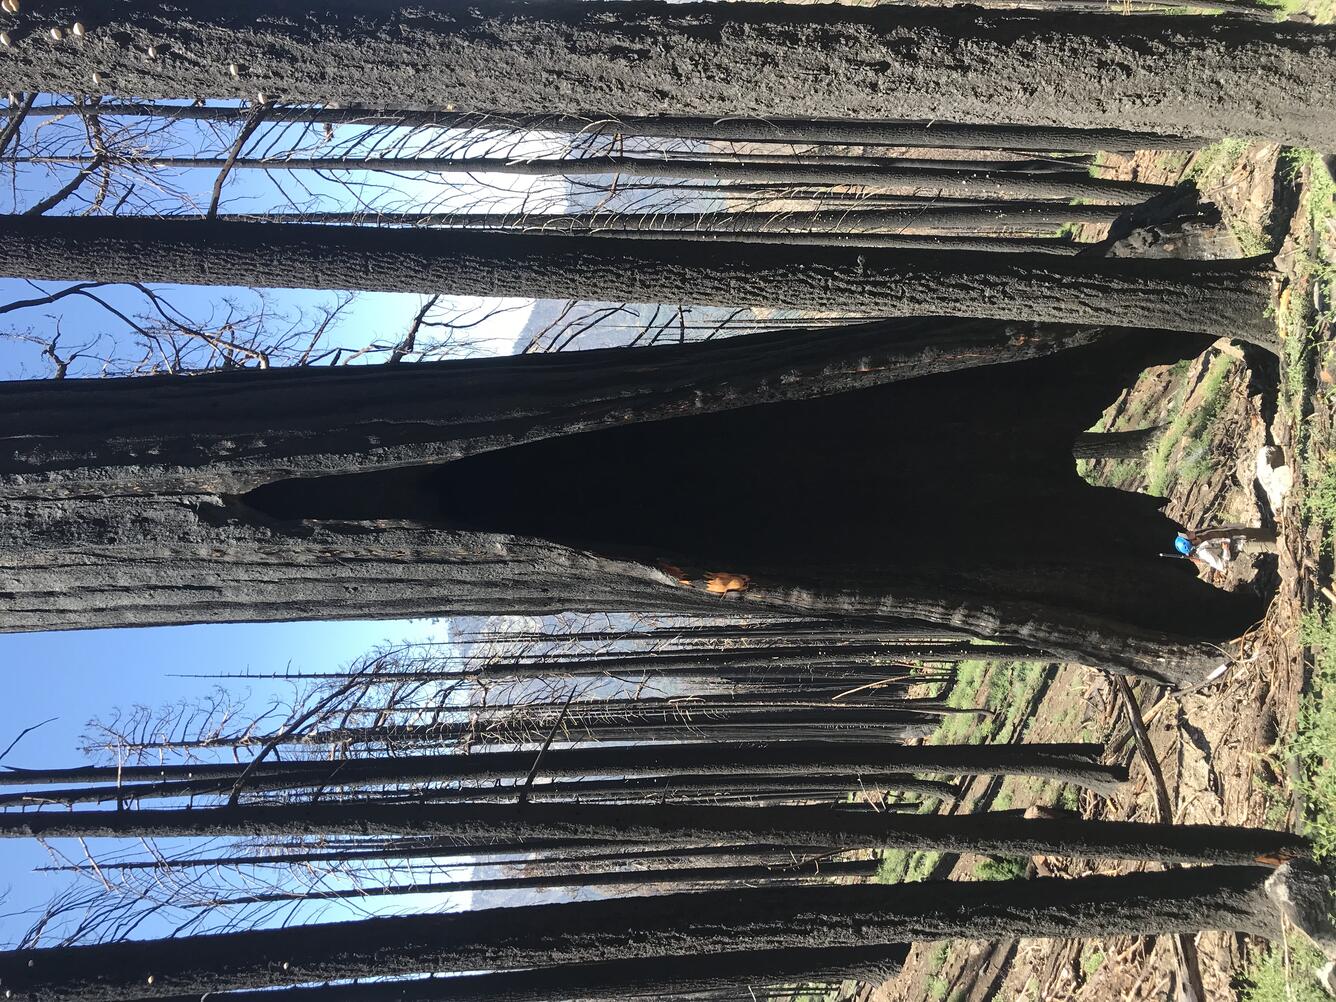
1217	747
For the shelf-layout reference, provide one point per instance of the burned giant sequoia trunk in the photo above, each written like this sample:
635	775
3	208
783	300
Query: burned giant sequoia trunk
554	482
1082	70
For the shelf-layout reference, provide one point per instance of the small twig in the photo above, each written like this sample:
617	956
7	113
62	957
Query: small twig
247	130
69	188
873	685
551	736
16	117
22	734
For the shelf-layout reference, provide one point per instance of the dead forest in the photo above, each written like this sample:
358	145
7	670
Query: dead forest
792	437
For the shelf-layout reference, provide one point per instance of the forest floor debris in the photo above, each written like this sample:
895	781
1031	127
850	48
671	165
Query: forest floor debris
1248	749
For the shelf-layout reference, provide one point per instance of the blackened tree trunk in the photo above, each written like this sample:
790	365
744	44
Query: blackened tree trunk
937	134
1228	298
974	179
229	432
984	834
993	217
1065	763
754	874
1226	898
739	974
1116	444
815	661
491	853
1145	73
357	492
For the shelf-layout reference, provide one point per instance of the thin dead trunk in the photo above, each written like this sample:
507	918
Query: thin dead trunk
752	875
1065	763
992	218
983	834
974	179
730	976
936	134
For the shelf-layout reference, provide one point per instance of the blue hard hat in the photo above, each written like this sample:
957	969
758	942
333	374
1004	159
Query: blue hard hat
1183	545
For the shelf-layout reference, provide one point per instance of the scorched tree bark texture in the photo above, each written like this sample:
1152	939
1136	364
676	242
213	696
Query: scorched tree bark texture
1226	298
289	494
1146	73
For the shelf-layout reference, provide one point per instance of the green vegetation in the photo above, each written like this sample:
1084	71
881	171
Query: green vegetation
1272	979
938	986
1312	744
1320	188
1321	11
1190	427
900	866
937	958
1000	868
1320	496
1294	317
1069	798
1091	961
1284	972
1252	241
1211	166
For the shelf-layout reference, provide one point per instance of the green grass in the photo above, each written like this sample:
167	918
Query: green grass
1000	868
1069	799
1320	497
937	958
922	865
1267	980
1091	962
1211	166
1252	241
1320	191
1322	11
1314	742
1190	426
938	986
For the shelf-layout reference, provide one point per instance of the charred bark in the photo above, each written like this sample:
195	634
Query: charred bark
924	216
1147	72
1116	444
228	432
936	134
985	834
1227	298
757	874
1226	898
1065	763
978	179
739	974
143	520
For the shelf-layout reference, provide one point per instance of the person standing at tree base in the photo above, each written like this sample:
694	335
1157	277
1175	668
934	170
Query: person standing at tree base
1218	547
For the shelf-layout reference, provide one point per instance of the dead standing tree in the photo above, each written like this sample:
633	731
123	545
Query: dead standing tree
324	494
1249	899
1226	298
1229	78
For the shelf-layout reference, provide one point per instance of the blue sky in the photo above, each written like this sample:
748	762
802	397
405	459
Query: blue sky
74	676
77	675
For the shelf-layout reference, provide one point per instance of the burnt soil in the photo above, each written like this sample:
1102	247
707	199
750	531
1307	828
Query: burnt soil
1218	747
